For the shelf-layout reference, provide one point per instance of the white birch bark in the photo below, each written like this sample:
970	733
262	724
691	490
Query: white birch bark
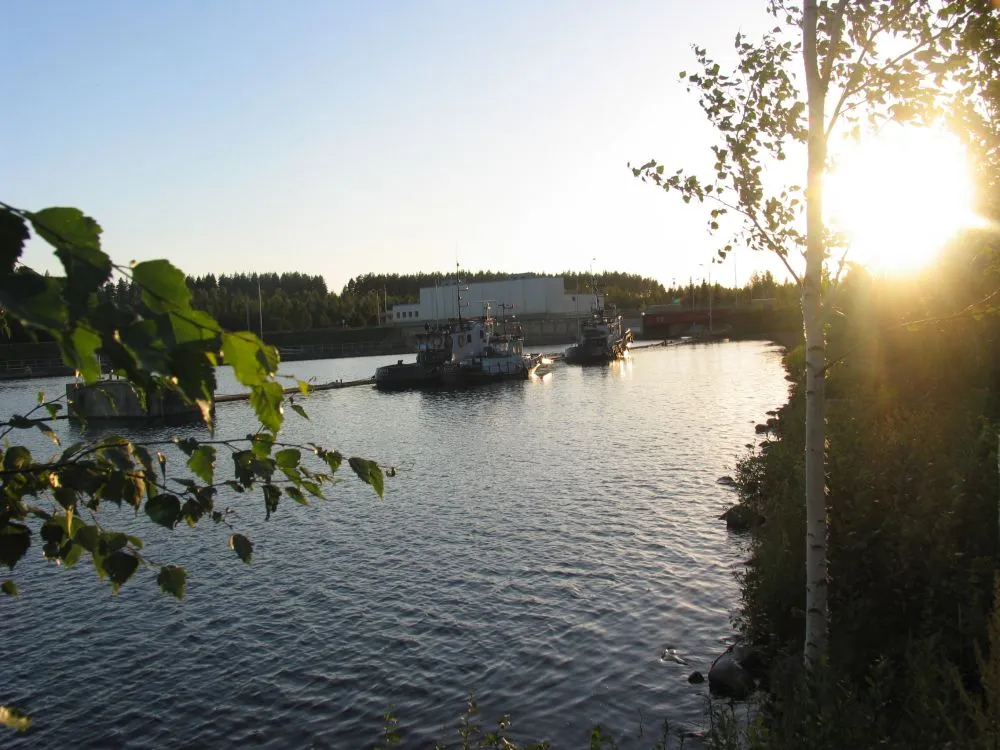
815	468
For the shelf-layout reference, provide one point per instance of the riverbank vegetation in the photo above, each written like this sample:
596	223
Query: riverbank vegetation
879	624
912	500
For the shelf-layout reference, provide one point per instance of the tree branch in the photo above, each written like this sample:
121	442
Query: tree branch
963	314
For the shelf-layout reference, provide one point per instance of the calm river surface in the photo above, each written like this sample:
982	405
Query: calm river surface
542	543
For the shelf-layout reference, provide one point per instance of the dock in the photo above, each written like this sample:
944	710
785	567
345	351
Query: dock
221	398
122	403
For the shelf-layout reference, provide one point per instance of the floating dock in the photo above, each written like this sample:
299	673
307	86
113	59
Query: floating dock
335	385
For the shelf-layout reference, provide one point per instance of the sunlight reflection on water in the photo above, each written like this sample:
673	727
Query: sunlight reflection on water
542	543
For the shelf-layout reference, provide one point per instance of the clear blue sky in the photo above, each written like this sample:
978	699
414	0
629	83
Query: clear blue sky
342	138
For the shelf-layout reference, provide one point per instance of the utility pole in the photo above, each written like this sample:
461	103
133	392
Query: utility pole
260	309
710	301
736	283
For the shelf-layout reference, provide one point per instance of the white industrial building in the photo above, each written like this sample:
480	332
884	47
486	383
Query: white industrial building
524	297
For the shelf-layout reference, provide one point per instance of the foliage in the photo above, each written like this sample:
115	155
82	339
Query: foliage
913	504
982	706
886	62
627	291
474	736
159	342
876	63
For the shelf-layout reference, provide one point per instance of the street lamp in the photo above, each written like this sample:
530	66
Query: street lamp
709	269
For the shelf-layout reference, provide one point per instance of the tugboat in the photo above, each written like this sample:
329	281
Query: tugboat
484	351
462	353
602	338
433	351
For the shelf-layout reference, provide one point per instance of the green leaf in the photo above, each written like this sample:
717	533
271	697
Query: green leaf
299	410
194	374
71	554
120	566
288	458
117	455
187	445
253	361
172	579
13	234
296	494
261	444
164	509
333	459
97	558
272	493
202	463
48	432
88	537
86	270
243	462
242	546
194	325
313	489
266	400
35	300
52	530
20	423
15	538
163	286
112	541
9	588
14	718
67	227
369	472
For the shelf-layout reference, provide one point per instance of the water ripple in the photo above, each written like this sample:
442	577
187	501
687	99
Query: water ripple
542	544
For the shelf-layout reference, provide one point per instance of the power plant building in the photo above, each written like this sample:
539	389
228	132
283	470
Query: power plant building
530	296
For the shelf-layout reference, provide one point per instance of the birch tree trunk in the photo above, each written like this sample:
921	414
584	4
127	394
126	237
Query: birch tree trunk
815	476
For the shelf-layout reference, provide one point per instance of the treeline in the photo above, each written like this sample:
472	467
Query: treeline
627	291
302	302
271	301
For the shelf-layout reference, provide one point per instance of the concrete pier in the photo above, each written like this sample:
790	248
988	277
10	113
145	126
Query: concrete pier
118	399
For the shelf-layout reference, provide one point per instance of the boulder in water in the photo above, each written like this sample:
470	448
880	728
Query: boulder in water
736	672
741	518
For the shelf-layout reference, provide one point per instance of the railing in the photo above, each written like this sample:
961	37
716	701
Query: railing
349	349
33	367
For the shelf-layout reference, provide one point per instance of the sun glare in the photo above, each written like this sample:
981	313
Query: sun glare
900	198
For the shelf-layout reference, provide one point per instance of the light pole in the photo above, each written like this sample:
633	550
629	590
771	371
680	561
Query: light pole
736	283
709	269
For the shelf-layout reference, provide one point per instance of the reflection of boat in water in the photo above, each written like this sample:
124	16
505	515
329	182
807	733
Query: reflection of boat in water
463	353
602	338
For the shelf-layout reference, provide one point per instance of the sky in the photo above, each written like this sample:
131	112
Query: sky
342	138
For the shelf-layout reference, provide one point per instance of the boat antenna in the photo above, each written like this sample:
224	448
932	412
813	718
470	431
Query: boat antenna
458	290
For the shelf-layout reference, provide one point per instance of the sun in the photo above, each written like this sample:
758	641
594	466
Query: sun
900	197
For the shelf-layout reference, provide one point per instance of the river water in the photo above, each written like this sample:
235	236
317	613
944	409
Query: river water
542	543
